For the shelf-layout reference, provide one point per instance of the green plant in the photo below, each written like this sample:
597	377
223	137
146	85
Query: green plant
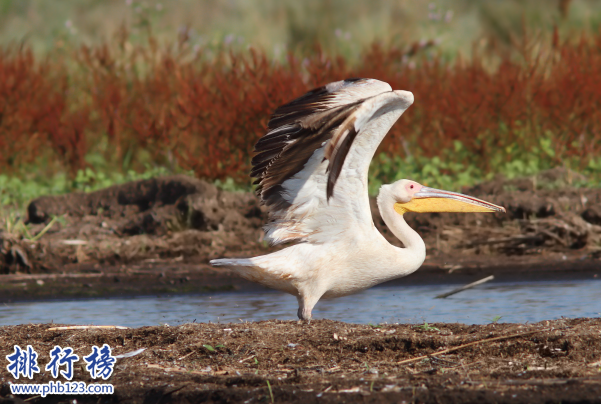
426	327
270	392
14	226
232	186
495	319
211	348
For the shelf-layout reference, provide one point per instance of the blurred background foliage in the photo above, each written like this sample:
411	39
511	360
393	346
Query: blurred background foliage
98	92
339	26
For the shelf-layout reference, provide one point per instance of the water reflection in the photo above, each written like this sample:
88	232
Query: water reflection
515	302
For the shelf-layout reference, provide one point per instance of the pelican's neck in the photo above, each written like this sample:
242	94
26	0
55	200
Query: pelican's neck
396	223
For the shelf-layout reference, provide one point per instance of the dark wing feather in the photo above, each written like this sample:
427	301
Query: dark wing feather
280	159
307	104
302	126
337	159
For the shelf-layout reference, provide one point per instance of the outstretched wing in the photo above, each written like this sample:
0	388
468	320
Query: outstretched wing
312	164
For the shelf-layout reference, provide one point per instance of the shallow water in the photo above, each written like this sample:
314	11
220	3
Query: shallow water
515	302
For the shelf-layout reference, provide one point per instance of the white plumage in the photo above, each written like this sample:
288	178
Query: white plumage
311	169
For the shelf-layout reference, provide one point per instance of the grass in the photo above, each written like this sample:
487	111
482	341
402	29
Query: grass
270	392
17	190
495	319
448	172
426	327
451	170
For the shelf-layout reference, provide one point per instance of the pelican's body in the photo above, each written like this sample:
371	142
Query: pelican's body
312	171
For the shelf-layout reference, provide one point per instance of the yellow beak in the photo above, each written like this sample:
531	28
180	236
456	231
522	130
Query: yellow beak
436	200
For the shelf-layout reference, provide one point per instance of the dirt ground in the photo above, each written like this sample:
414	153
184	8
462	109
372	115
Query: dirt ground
327	361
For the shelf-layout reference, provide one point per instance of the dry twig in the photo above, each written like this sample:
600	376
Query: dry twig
88	327
469	344
468	286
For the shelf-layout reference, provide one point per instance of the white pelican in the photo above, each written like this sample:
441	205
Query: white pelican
311	171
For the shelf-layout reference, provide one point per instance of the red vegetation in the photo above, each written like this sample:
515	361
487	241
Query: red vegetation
178	108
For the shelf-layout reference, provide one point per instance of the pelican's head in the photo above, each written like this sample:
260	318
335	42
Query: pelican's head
414	197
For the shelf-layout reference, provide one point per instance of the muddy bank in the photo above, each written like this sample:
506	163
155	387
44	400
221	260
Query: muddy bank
176	217
174	222
327	361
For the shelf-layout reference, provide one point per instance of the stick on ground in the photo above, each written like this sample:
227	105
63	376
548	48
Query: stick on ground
466	345
468	286
88	327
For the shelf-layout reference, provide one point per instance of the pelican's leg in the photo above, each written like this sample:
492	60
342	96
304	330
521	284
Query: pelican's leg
305	306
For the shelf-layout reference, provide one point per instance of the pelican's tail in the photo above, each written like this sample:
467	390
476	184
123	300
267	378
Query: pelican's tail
235	262
258	269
